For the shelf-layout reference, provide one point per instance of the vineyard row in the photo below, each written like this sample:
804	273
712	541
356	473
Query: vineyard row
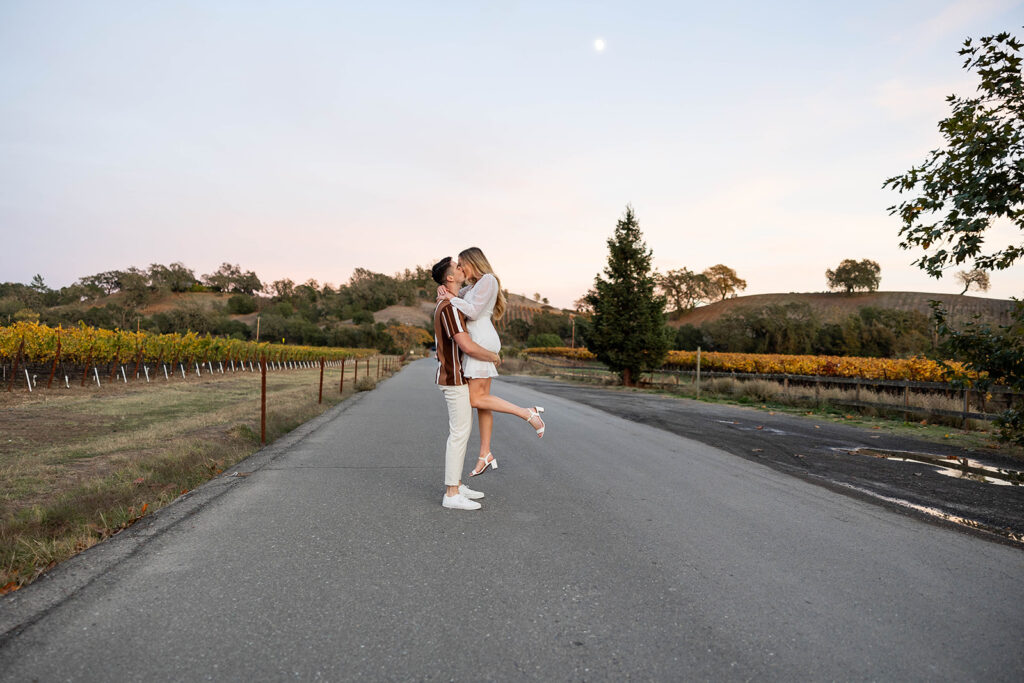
915	369
81	345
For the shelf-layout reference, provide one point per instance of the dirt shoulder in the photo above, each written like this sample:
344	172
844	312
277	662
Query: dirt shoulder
79	464
844	457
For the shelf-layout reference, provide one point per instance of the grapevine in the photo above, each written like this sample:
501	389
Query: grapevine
915	369
82	344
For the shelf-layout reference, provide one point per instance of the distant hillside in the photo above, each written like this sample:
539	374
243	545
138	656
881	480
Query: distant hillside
519	307
834	307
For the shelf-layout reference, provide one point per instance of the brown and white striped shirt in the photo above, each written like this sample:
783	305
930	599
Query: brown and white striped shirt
448	322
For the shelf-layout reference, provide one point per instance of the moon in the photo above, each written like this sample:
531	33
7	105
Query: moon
599	45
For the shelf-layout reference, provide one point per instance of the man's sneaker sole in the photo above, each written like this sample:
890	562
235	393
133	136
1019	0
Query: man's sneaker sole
459	502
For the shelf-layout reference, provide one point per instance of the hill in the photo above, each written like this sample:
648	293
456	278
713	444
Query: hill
519	307
834	307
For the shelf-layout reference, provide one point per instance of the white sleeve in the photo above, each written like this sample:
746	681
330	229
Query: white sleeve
477	298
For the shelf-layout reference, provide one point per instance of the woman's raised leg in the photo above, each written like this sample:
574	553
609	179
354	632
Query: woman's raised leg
482	399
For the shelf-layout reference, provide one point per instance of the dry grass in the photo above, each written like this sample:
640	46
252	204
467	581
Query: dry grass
79	465
827	404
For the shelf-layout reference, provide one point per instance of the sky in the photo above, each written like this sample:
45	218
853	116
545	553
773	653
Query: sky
304	139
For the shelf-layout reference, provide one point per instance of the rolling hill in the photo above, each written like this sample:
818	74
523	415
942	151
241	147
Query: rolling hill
833	307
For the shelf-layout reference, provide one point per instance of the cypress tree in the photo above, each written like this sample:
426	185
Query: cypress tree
628	332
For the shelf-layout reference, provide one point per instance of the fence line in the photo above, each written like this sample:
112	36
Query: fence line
31	376
592	370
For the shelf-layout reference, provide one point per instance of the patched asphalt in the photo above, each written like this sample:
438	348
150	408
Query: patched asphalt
610	550
824	452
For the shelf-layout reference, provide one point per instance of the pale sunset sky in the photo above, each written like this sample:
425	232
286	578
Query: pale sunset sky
303	139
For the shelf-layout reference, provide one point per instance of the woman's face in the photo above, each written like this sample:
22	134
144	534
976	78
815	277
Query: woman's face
468	270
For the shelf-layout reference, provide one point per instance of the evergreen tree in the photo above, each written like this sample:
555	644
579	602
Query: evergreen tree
628	332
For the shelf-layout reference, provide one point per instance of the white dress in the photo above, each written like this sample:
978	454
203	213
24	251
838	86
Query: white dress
477	302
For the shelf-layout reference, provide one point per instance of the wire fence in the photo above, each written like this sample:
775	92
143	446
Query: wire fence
929	399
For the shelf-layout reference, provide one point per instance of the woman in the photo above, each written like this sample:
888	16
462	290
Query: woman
479	302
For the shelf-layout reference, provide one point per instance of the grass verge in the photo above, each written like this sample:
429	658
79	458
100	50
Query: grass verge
79	465
765	395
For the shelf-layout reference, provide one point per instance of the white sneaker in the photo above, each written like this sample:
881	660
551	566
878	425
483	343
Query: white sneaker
459	502
470	493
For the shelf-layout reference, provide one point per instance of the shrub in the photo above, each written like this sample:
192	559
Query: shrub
546	340
760	389
366	383
362	317
241	304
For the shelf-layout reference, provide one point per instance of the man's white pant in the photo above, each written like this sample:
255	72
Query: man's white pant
460	423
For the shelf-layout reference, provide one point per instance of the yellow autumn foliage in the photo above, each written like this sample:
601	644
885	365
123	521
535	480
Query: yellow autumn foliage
916	369
83	344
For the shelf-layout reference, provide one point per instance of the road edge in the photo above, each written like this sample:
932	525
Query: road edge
22	608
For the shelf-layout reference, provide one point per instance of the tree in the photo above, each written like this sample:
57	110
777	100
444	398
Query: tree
583	305
997	355
175	277
853	275
230	278
723	282
978	177
975	180
685	289
628	327
975	278
220	280
247	283
38	284
283	289
104	283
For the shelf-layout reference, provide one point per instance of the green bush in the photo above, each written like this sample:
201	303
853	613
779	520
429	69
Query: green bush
545	340
241	304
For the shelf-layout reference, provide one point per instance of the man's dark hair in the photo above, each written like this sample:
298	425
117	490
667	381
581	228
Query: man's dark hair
440	269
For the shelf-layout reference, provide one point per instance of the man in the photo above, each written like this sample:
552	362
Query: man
450	336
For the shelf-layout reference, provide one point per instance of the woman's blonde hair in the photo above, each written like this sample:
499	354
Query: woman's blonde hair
475	258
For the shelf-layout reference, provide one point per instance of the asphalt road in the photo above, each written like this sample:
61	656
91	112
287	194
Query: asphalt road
827	453
609	550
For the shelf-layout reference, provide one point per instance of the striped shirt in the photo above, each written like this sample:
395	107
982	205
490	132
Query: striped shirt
448	322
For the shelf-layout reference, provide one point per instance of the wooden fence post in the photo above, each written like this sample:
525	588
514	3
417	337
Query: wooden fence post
263	400
698	372
56	359
117	362
341	384
17	359
88	364
321	399
355	371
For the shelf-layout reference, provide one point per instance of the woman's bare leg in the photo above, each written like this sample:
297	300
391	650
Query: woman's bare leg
485	417
486	420
480	398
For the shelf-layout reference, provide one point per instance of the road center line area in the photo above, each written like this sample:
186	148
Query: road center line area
610	549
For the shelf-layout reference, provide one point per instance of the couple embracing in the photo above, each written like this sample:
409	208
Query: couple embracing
467	359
